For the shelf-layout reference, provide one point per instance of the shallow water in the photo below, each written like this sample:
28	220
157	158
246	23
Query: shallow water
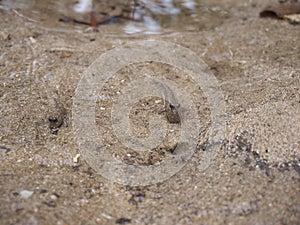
147	16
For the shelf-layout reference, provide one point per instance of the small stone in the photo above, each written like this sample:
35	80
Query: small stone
50	204
53	197
32	40
123	220
76	158
26	193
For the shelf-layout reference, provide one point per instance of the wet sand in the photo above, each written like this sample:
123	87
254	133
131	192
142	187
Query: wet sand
255	177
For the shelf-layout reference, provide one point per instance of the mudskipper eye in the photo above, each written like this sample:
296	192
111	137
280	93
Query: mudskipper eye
52	119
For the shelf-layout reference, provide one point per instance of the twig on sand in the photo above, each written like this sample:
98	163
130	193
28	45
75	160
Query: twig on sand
22	16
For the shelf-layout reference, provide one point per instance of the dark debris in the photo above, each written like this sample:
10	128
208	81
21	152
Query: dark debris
123	220
241	144
50	204
5	149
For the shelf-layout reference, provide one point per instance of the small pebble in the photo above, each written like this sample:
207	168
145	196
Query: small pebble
32	40
123	220
76	158
26	193
54	197
50	204
106	216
